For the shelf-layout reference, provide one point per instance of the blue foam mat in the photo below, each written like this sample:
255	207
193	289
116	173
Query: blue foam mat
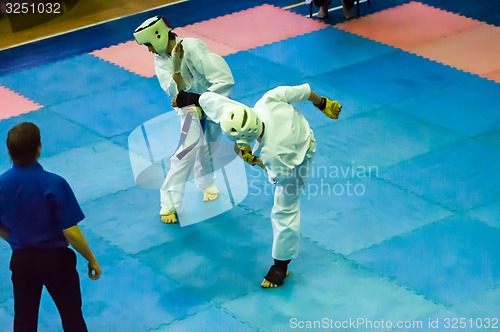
131	211
254	74
6	318
359	212
119	109
240	239
466	107
324	285
5	274
491	137
481	308
156	299
487	213
458	177
440	259
322	51
381	138
394	77
68	135
163	277
213	317
67	79
93	171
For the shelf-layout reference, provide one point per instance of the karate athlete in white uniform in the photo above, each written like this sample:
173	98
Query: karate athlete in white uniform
186	65
286	146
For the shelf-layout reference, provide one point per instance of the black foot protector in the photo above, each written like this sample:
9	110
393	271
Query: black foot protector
278	272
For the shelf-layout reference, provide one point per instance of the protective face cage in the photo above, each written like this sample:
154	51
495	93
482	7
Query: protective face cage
242	126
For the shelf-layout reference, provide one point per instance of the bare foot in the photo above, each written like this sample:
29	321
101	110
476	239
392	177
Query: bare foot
348	9
322	13
209	196
169	218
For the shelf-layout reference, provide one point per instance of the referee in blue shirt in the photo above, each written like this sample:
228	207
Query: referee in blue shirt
38	218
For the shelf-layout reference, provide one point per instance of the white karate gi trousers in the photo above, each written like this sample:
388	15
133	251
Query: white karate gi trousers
285	214
200	158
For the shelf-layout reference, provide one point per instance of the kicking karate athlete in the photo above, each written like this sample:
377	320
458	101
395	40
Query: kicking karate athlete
286	146
186	65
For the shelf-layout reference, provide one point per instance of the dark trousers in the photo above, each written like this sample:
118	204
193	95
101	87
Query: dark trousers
56	270
348	3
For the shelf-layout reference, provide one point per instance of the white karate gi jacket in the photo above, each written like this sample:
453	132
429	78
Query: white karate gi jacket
202	71
286	149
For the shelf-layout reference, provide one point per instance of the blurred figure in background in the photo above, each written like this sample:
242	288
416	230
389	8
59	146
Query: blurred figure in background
324	5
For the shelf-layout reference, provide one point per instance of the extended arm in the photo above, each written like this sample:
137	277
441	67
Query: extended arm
289	94
213	104
75	237
300	93
331	108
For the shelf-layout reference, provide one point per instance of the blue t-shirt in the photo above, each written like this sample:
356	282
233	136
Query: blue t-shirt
36	206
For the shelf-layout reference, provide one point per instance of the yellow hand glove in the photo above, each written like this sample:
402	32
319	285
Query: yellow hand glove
331	109
247	156
244	149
